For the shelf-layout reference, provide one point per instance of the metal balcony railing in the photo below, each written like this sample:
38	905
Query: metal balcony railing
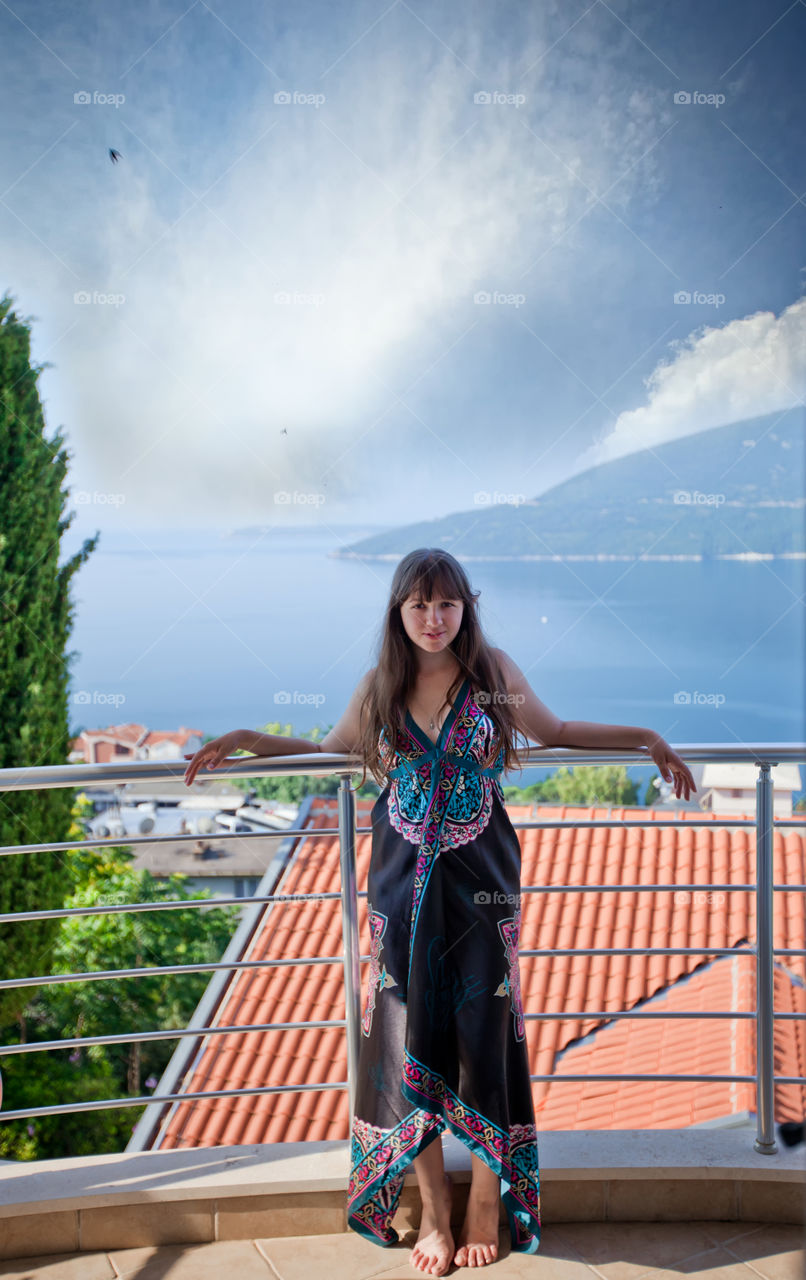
763	756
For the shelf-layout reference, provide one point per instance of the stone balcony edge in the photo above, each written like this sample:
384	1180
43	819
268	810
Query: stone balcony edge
220	1173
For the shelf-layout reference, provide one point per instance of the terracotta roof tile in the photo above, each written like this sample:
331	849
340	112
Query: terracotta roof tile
694	854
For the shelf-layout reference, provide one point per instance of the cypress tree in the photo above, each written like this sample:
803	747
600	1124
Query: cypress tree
36	617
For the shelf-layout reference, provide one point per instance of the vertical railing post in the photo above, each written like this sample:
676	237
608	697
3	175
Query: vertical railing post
765	1078
349	929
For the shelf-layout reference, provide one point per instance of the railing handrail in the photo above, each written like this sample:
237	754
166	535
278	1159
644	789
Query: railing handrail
763	755
325	764
197	904
57	846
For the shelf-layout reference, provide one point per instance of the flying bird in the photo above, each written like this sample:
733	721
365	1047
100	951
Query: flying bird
114	155
283	431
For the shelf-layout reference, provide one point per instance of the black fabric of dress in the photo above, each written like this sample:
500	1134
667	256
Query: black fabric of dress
442	1033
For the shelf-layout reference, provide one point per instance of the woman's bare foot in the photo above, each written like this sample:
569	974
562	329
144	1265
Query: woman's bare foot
478	1238
434	1248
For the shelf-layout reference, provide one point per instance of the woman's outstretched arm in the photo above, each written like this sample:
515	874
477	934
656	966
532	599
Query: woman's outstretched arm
344	737
543	726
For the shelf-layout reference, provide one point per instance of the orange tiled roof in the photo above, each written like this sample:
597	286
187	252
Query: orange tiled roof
700	853
106	746
688	1046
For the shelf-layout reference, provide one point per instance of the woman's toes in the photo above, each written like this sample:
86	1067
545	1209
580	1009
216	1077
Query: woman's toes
475	1255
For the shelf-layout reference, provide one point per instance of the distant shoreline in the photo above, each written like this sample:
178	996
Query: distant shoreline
742	555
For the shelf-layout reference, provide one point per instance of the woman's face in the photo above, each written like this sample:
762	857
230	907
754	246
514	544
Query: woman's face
434	624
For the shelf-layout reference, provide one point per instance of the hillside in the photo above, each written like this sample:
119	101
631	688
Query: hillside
732	491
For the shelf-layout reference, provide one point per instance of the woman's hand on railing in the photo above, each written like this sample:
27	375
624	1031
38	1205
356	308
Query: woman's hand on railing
211	754
670	765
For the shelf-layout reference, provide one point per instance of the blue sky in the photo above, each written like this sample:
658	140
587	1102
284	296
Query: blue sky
383	294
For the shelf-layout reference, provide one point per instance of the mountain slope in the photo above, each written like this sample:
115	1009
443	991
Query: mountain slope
730	491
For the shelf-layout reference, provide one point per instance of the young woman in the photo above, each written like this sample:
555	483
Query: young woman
443	1043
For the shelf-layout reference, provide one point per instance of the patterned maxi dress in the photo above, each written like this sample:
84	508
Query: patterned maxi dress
442	1044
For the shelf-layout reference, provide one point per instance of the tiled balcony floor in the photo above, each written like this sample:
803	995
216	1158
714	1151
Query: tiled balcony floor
568	1251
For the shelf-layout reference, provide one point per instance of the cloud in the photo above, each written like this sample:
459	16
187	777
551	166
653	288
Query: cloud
746	368
336	245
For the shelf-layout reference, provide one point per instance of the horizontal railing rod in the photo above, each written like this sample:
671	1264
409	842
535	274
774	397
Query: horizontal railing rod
704	821
173	904
59	846
110	842
177	1033
107	1104
115	1103
599	1015
604	1015
701	887
328	764
655	951
180	904
160	971
309	764
592	1075
156	971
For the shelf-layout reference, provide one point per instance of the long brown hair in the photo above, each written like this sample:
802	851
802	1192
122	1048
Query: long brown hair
430	573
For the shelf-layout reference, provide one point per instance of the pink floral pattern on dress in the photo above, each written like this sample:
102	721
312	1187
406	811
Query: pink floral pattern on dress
378	975
511	986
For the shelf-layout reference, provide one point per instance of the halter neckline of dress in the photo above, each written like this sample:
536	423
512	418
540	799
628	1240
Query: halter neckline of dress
422	736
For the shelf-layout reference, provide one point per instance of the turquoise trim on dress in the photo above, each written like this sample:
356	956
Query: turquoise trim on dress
524	1226
391	1176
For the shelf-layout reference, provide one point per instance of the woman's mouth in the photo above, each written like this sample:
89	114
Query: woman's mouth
434	635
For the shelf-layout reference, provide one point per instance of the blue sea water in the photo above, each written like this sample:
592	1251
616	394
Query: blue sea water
218	631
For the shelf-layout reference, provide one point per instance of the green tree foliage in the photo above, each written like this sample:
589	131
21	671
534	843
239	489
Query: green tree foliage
133	941
607	784
36	617
652	793
112	1006
48	1078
